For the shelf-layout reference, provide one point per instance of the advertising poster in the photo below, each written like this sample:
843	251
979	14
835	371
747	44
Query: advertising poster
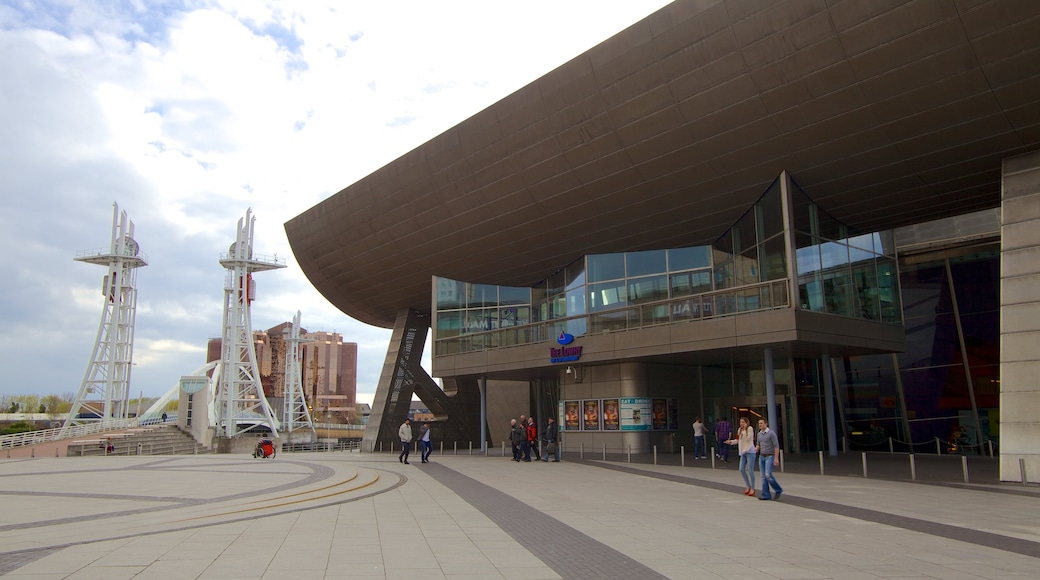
611	415
572	420
635	414
660	419
591	415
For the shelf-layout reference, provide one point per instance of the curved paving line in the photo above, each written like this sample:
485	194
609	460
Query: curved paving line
11	561
977	537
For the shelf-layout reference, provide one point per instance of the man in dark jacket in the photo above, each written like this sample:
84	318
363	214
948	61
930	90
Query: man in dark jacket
516	435
552	448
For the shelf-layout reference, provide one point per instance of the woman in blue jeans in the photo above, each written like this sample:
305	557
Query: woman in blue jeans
745	443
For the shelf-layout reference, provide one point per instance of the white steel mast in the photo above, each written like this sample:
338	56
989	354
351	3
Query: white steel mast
296	416
240	403
104	394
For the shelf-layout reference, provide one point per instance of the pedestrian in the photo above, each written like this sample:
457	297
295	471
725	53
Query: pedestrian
745	442
405	433
532	438
164	417
723	432
768	449
698	439
551	447
425	444
515	434
525	443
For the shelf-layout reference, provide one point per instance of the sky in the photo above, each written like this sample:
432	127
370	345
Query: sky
187	113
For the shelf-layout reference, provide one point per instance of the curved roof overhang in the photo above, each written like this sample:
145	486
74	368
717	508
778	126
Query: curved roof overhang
664	134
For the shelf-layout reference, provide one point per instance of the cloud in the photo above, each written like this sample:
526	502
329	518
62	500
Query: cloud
189	112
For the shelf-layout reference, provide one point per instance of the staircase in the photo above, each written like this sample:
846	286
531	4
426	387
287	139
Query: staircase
155	440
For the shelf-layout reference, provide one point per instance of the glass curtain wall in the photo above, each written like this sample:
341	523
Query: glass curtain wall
950	372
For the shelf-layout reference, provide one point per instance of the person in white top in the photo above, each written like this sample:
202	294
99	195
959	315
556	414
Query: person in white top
745	443
405	434
698	439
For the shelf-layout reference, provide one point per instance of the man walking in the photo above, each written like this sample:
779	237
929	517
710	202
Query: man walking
698	439
551	448
425	445
768	455
723	432
515	434
532	438
405	434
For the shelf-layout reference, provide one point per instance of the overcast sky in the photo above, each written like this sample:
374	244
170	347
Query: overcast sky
187	113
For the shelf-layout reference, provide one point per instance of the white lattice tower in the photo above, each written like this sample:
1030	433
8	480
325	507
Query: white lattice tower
104	394
296	416
240	404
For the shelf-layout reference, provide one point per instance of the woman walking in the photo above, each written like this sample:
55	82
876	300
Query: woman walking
745	443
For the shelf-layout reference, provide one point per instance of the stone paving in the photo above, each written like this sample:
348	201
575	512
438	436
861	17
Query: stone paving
349	515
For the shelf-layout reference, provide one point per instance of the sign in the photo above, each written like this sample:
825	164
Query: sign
635	414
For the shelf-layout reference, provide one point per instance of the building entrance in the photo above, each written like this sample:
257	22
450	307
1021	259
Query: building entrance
754	408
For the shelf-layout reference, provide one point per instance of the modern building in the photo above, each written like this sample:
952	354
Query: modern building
328	365
823	213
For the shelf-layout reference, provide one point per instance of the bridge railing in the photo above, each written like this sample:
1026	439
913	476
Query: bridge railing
59	433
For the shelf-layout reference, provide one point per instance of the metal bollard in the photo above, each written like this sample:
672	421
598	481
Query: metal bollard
471	448
891	449
682	456
780	454
630	453
913	467
938	447
1022	470
990	443
655	455
864	465
964	467
456	447
503	448
713	458
581	452
821	463
442	448
604	451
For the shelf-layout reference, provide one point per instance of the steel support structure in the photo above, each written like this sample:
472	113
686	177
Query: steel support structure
104	393
296	415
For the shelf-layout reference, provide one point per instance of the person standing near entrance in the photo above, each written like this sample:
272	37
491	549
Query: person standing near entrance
745	443
768	455
723	432
515	434
698	439
425	445
551	447
405	434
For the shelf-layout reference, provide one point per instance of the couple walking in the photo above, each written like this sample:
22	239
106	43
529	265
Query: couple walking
767	451
405	434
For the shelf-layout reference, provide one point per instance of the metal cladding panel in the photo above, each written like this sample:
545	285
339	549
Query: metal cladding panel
887	114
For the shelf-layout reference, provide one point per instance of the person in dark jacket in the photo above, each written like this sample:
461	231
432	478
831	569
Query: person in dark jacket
516	435
551	446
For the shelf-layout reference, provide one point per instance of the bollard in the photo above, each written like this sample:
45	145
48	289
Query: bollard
864	465
821	463
682	456
56	452
913	467
196	452
845	444
890	448
581	451
990	443
138	449
471	448
655	455
713	458
630	453
381	447
964	467
456	447
780	454
503	448
487	449
442	449
604	451
1022	470
32	453
938	447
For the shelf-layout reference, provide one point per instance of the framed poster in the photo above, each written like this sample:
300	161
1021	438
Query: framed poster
572	419
591	419
635	414
611	415
660	418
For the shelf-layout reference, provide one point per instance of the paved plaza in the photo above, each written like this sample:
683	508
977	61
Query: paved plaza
351	515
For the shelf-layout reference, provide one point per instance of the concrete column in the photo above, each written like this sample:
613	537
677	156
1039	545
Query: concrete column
1020	317
482	385
771	391
828	401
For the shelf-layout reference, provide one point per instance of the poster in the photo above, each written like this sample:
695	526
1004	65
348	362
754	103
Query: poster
635	414
611	415
660	419
572	422
591	420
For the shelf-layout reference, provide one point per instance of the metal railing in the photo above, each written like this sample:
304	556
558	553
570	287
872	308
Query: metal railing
758	297
59	433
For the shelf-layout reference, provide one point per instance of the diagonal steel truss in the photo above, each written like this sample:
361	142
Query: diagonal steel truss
296	415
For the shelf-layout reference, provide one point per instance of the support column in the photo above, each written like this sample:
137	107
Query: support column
1020	317
482	385
771	391
828	401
